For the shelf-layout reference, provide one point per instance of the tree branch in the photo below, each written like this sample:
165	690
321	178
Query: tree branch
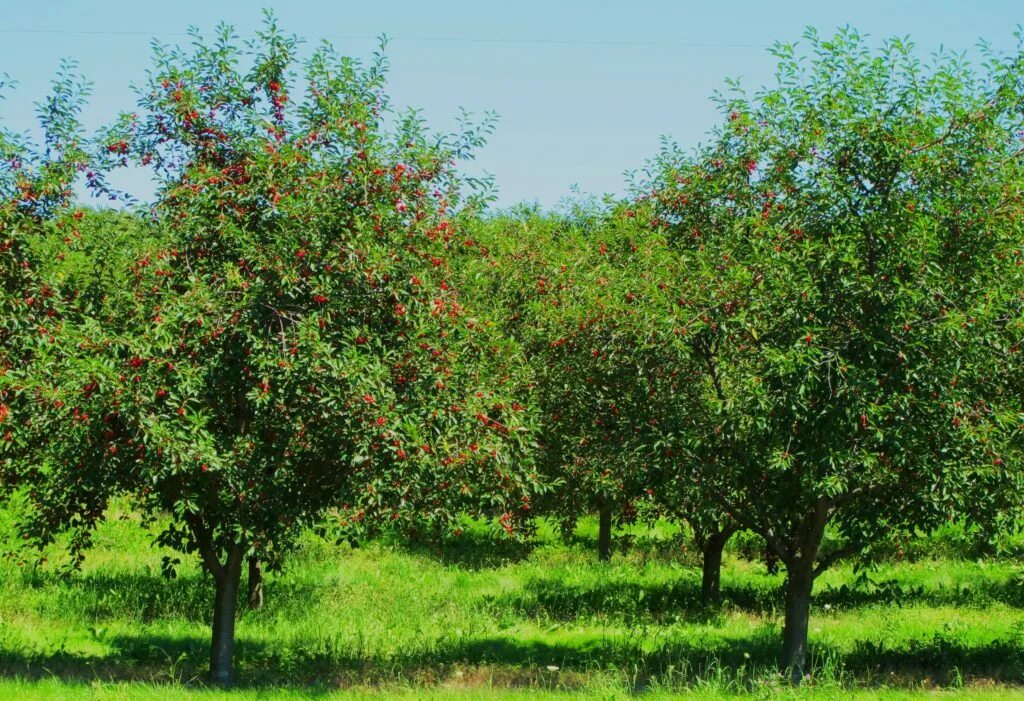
204	543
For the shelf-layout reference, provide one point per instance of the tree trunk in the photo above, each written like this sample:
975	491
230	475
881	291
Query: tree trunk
800	574
799	583
255	583
771	561
222	647
604	534
711	582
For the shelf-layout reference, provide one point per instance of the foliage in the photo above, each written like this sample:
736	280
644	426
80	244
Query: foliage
586	293
810	324
294	343
850	235
36	194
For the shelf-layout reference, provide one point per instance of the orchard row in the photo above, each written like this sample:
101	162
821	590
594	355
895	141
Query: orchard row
813	320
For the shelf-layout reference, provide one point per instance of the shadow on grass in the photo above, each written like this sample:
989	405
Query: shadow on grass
641	655
630	600
675	547
149	597
510	662
480	548
472	550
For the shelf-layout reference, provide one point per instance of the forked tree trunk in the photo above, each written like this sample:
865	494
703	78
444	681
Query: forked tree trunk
222	647
255	583
711	581
604	534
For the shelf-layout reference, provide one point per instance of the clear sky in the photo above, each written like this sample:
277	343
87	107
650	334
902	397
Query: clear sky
584	88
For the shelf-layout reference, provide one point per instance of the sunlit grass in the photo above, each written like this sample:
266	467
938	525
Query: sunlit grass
481	619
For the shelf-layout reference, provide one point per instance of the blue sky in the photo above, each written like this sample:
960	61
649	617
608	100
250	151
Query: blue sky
584	89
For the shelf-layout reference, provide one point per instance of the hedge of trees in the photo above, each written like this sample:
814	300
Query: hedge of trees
812	320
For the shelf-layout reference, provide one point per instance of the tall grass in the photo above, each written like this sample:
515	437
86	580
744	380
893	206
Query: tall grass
480	615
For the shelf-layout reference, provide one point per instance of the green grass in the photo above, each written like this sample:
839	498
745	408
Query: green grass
483	619
55	690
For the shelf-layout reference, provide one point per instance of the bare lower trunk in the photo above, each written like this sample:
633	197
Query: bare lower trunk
799	583
255	583
604	534
222	648
800	574
711	581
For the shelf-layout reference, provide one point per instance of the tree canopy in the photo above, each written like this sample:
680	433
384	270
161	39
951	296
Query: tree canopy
846	235
294	343
812	320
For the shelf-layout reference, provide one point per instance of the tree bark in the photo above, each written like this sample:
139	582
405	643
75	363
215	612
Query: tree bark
799	583
604	534
222	648
771	561
800	574
711	581
255	583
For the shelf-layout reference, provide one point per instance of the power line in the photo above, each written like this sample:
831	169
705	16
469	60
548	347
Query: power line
453	40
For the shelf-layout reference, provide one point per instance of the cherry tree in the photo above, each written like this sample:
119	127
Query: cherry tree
845	234
296	343
590	294
36	222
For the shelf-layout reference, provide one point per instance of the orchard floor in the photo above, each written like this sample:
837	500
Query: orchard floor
487	620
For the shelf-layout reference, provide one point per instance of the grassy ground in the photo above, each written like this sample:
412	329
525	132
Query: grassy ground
52	690
486	620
